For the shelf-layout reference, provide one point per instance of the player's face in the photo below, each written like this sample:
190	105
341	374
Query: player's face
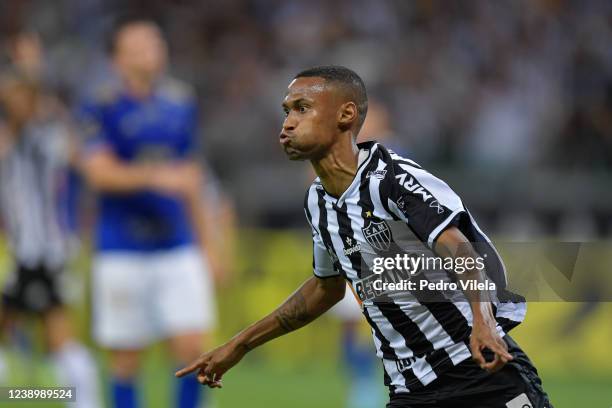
310	126
141	50
18	100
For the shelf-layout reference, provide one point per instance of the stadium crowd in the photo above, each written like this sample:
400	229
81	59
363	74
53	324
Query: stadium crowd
499	87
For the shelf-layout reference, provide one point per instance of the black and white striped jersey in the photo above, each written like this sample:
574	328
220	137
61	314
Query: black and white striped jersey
394	203
33	173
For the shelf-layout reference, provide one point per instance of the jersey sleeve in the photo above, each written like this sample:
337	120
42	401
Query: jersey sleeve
322	265
426	203
189	144
322	262
90	122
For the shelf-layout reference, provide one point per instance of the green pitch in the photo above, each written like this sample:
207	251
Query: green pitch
258	384
303	370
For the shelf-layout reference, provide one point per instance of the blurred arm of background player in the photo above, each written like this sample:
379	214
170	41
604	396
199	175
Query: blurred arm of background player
105	172
210	219
310	301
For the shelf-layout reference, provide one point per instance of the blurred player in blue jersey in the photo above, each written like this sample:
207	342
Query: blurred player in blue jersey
140	131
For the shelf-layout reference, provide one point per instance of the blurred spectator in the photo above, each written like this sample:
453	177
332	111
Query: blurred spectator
489	85
377	126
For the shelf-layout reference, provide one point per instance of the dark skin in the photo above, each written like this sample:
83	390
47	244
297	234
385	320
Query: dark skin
321	125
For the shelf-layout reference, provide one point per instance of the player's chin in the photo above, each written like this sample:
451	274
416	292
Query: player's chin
294	155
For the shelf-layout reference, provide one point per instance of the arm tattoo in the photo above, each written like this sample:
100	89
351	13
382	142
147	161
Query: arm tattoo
246	347
293	314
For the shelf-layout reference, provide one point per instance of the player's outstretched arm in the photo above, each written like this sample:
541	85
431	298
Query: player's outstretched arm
310	301
452	243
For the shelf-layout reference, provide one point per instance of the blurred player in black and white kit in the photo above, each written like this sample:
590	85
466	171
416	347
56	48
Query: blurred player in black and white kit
436	352
35	155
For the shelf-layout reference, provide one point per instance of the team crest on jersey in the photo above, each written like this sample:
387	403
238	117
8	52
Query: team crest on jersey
378	235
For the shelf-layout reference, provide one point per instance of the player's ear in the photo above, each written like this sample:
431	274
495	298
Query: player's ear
347	115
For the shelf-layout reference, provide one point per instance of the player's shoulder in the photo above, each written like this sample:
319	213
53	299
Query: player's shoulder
105	93
397	159
385	163
176	90
378	152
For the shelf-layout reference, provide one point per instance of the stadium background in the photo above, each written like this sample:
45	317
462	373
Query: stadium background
510	102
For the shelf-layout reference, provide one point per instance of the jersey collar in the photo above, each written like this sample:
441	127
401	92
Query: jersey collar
366	151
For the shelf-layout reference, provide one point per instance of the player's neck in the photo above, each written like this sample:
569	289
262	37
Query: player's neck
138	86
337	169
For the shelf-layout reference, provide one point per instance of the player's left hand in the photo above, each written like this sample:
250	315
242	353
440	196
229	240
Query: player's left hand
485	336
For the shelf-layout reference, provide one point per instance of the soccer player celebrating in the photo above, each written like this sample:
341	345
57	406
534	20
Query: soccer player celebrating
152	223
366	199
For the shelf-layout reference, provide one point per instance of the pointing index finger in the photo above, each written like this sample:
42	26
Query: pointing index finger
188	369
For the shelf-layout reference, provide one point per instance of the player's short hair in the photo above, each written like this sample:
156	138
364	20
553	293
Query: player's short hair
346	78
124	21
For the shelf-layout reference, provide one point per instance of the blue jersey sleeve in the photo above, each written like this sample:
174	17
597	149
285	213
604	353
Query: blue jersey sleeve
189	144
89	116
